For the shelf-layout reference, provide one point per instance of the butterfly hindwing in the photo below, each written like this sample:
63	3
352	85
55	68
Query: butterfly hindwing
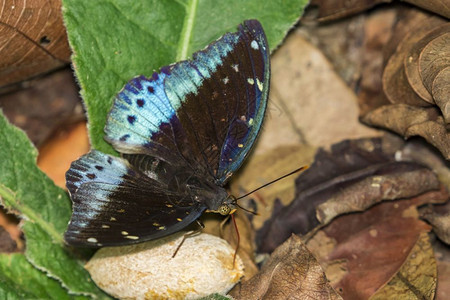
115	203
205	112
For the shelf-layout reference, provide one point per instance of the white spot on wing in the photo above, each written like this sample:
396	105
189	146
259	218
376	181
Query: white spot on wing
260	84
92	240
251	81
124	233
235	67
254	45
132	237
225	80
105	226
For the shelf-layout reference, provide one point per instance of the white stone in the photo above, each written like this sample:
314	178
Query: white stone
202	266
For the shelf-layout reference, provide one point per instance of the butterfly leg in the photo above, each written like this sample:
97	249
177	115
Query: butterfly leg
222	224
199	229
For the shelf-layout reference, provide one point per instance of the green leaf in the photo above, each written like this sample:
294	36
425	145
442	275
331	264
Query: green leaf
20	280
116	40
44	207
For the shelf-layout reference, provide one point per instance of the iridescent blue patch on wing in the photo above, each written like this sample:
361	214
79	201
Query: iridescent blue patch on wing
187	76
95	167
139	110
95	176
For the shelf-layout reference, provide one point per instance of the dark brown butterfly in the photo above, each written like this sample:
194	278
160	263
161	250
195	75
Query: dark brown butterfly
182	133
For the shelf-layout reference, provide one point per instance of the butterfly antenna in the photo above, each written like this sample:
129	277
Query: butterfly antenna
269	183
244	209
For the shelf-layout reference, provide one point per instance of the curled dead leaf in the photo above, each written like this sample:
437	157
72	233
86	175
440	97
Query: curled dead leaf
34	38
439	217
398	87
411	59
336	9
418	151
435	56
410	121
441	92
389	182
291	272
439	7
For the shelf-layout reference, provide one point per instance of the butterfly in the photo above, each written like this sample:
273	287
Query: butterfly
181	134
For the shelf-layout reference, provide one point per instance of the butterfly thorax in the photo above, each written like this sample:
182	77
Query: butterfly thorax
213	196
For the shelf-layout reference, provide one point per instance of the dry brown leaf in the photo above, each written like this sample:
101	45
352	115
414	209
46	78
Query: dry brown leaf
44	105
376	188
408	17
372	246
435	56
395	82
336	9
418	151
411	61
441	226
33	40
409	121
440	7
417	277
439	217
291	272
441	92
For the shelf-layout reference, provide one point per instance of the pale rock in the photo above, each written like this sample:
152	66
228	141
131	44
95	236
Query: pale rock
202	266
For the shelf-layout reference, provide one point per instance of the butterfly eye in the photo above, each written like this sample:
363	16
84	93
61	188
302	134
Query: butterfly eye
224	209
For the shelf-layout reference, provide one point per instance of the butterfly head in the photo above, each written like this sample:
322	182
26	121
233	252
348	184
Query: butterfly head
228	207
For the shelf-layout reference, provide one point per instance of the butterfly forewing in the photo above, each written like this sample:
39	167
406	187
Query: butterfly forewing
206	111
